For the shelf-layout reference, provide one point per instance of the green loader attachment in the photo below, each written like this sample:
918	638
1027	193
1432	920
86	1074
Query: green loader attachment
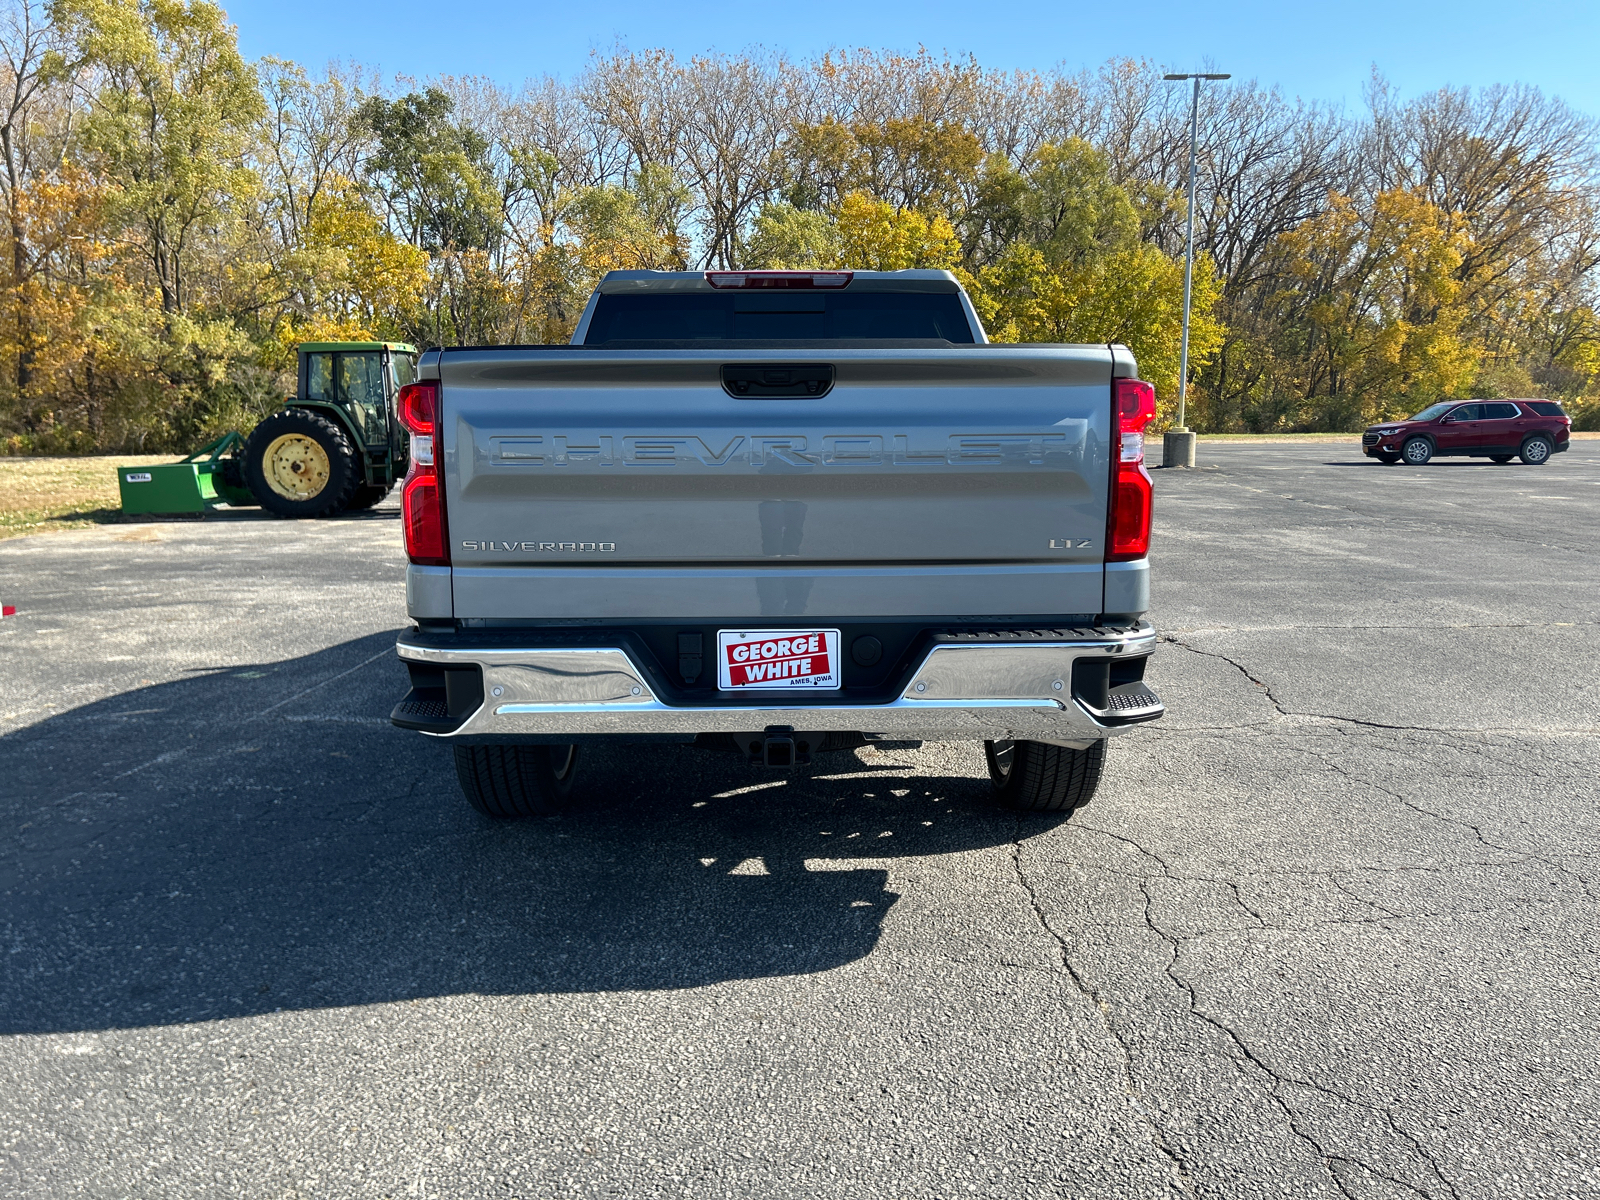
207	478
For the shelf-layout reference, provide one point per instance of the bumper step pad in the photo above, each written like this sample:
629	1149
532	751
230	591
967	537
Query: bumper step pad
1133	700
424	709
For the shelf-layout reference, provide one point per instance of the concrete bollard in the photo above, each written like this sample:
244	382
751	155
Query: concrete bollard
1177	448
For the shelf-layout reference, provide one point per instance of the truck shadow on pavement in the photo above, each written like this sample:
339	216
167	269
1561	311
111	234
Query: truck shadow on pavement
257	838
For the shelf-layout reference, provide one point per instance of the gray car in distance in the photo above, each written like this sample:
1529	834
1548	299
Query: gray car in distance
777	514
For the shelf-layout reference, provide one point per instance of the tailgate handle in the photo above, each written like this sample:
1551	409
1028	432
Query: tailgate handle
753	381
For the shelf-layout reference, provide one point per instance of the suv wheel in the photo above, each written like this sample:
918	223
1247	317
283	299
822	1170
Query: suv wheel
1536	451
1387	460
1417	451
1037	777
515	781
1501	458
300	464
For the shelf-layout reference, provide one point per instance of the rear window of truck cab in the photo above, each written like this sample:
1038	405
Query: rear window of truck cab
798	315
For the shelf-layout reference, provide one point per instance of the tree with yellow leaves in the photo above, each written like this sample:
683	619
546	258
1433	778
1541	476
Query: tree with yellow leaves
876	236
349	279
1133	296
172	122
1071	266
1385	312
863	233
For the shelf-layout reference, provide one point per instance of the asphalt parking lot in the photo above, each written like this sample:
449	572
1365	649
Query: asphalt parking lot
1329	929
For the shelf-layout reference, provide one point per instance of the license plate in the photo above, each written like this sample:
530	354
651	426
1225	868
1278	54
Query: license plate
777	658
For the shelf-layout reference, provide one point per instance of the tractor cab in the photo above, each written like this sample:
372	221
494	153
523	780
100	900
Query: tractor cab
358	381
336	445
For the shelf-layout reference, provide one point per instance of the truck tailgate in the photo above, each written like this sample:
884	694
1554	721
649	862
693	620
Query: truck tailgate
590	483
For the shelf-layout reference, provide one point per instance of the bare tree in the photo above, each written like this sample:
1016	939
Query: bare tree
734	123
34	68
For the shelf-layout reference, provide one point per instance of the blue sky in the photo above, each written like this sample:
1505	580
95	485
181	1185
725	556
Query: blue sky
1323	51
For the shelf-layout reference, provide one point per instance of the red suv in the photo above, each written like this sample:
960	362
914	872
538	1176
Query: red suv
1532	430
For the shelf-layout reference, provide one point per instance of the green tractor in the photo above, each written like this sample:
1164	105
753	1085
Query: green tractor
336	446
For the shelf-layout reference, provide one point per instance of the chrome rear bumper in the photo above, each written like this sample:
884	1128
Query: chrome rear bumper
980	690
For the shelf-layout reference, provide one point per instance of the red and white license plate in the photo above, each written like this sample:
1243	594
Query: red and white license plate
777	658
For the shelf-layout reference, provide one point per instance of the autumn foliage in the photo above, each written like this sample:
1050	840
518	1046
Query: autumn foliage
178	218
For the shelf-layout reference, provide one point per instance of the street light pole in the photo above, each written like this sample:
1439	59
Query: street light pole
1178	445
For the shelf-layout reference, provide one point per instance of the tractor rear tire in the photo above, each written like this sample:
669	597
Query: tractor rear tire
298	463
366	496
515	781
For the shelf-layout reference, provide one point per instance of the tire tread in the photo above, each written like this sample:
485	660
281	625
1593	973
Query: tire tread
300	420
505	782
1047	778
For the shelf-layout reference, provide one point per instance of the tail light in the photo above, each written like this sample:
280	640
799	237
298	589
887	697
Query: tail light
779	279
422	496
1128	522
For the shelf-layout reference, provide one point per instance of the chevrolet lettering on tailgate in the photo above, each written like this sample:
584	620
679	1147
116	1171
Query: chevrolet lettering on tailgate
795	450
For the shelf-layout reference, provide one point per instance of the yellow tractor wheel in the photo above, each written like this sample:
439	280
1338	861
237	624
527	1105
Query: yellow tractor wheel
298	463
296	467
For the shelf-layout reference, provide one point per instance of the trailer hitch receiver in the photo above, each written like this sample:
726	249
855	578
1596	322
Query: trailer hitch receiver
779	749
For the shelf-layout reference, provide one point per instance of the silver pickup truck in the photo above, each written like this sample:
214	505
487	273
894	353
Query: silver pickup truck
776	514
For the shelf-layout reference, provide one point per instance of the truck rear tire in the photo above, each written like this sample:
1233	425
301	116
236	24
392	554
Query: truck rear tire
1036	777
515	781
300	464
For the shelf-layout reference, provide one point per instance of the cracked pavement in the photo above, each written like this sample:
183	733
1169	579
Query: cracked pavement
1328	929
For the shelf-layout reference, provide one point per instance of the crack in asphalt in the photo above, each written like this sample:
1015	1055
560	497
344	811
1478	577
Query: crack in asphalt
1280	1083
1292	1118
1245	1054
1273	926
1514	855
1519	856
1333	765
1460	822
1333	878
1283	711
1272	697
1236	665
1389	914
1158	1140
